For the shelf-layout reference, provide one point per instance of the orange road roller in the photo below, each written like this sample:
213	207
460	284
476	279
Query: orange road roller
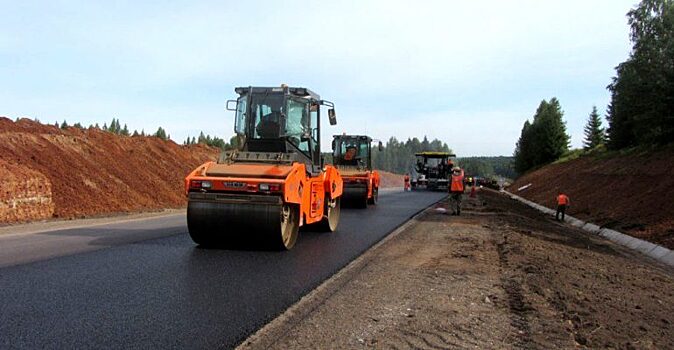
352	156
275	182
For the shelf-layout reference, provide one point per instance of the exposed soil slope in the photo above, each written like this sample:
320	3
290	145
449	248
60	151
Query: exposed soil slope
387	180
74	173
631	193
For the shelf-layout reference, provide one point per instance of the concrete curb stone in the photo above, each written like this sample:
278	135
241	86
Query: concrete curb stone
668	259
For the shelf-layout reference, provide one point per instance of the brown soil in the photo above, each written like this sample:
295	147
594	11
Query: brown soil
501	276
631	193
24	194
388	180
92	172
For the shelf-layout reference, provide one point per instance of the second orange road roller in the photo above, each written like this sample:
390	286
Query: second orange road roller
352	155
276	182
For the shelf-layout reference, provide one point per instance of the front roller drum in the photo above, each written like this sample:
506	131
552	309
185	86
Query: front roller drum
260	226
355	195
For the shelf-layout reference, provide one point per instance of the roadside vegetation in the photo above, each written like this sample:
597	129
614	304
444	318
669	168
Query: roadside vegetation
488	167
640	115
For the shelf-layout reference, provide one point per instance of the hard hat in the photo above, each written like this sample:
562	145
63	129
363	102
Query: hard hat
456	168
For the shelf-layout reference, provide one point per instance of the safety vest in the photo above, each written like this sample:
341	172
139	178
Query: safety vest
457	183
562	199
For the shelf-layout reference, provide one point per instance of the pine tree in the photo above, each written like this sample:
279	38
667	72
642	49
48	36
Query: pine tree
425	145
161	133
594	132
544	140
64	124
125	131
135	133
523	150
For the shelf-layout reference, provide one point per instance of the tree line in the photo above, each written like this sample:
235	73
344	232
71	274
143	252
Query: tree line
398	157
116	128
488	167
641	111
213	141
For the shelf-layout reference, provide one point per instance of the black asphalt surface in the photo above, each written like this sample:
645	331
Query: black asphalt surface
164	292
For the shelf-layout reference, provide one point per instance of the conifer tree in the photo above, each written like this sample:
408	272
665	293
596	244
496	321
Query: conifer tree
161	133
594	132
641	111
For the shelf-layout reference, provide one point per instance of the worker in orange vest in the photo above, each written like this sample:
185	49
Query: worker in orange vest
563	202
407	182
456	190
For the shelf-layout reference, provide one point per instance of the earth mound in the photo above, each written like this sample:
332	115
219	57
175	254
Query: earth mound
48	172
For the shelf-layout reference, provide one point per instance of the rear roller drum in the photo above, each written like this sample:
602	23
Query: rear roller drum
375	197
331	214
290	224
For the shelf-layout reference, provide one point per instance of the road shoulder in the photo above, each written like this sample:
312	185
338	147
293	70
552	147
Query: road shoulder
500	276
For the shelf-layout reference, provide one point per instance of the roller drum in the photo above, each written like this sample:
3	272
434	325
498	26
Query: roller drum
355	194
236	222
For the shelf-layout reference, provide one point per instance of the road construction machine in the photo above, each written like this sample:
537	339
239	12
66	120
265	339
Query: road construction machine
433	170
352	156
275	182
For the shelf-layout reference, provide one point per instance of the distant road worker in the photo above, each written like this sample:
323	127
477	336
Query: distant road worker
562	202
407	182
456	190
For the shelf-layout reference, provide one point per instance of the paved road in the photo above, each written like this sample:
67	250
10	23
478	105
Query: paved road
144	284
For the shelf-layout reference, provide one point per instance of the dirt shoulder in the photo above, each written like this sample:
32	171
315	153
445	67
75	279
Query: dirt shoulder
500	276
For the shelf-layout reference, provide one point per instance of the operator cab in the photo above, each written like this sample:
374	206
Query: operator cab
280	120
352	151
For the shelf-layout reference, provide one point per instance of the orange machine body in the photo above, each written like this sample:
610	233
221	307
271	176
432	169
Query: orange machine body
357	177
289	183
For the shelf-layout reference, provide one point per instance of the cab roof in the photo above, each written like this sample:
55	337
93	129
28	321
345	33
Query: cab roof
429	154
360	137
295	91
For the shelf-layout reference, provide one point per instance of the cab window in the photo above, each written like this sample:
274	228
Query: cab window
297	124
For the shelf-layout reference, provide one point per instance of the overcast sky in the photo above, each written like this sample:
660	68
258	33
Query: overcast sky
465	72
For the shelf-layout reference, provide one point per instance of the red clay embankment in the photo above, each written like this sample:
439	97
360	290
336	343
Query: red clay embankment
388	180
47	172
632	193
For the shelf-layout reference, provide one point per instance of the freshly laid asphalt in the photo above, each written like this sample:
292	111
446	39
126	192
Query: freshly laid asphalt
145	284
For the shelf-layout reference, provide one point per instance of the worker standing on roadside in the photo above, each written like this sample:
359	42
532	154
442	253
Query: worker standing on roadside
407	182
456	190
562	202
